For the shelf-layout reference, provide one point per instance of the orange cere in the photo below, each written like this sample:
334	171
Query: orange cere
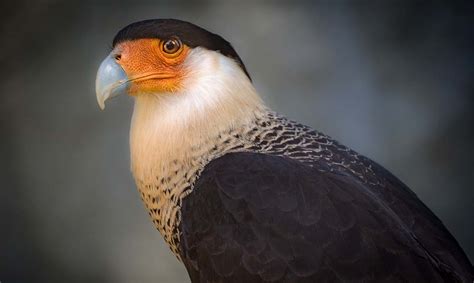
149	68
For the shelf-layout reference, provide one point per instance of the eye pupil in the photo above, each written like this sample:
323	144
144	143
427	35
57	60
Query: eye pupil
171	46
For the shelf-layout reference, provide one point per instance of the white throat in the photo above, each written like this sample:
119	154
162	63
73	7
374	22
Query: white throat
166	128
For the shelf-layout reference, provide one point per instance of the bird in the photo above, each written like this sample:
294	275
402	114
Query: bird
241	193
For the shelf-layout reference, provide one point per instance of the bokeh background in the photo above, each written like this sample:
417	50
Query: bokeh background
394	80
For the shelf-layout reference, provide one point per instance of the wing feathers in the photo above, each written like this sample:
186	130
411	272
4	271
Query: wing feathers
266	218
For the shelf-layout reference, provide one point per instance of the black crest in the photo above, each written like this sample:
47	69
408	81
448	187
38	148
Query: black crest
188	33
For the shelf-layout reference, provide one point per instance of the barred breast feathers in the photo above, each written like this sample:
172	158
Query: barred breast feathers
173	136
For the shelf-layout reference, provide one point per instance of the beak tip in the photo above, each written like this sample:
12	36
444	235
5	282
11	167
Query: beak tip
101	101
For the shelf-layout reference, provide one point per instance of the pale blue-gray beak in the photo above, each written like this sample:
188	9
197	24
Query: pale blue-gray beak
111	80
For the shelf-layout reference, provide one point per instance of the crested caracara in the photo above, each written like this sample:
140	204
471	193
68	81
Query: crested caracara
242	194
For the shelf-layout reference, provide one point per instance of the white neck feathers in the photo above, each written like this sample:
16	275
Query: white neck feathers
217	96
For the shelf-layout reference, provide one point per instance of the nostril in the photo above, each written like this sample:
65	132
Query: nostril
118	57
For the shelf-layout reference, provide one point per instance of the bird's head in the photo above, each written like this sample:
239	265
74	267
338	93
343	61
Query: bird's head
165	57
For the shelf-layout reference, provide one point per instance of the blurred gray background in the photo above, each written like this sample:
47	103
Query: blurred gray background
392	80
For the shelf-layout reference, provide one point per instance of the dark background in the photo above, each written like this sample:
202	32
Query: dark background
392	80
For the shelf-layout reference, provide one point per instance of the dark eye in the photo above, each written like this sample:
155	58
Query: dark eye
171	46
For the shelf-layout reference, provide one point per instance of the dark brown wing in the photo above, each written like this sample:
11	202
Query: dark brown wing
255	217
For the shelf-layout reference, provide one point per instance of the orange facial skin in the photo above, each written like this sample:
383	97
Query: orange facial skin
149	68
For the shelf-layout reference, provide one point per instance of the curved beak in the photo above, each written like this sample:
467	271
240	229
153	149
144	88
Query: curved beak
111	81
